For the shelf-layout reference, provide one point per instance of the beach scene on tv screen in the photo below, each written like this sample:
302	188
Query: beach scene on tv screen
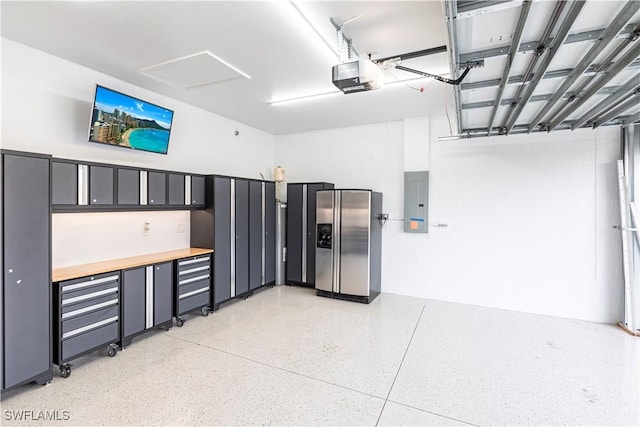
128	122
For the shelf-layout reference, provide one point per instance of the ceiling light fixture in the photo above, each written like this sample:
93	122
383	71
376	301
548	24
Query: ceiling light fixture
337	92
313	29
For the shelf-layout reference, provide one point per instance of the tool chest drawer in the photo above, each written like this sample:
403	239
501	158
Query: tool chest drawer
96	337
88	288
192	286
86	317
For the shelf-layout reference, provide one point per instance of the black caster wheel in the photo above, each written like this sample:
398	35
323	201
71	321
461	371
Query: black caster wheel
65	371
112	350
179	322
205	311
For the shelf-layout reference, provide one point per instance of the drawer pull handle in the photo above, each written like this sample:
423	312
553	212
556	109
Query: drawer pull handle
89	327
197	291
194	279
88	309
193	270
89	296
88	283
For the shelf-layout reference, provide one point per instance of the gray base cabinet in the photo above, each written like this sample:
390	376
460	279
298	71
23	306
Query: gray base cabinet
239	224
301	228
146	300
25	321
87	317
192	286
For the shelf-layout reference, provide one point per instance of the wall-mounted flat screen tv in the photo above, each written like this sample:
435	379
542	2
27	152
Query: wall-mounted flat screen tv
124	121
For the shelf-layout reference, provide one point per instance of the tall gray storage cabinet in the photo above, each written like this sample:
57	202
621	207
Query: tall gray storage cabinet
301	226
239	224
26	270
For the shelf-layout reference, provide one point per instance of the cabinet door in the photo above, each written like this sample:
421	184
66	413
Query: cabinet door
270	232
133	301
64	185
26	268
176	189
128	187
162	292
222	239
242	236
294	233
100	185
157	193
197	190
255	234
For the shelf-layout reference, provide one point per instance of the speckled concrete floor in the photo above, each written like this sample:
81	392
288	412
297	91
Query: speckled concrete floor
287	357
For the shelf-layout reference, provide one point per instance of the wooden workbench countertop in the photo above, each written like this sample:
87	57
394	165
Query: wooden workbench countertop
75	271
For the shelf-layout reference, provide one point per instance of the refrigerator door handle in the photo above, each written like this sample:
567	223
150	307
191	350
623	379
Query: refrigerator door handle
337	208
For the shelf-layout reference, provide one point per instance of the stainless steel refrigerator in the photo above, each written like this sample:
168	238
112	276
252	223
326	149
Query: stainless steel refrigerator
348	244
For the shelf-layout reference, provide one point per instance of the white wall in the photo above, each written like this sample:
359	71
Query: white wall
529	216
88	237
46	108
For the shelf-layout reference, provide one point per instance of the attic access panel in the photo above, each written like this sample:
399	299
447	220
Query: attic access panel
192	71
547	65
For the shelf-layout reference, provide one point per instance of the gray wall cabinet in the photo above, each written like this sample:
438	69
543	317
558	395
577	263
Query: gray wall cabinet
197	190
101	185
128	187
26	274
64	184
176	189
301	229
157	188
92	187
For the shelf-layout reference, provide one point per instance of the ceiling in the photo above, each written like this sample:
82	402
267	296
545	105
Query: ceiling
286	48
583	71
582	51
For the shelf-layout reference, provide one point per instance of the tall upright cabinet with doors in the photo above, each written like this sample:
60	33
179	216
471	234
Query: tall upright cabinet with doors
239	224
26	270
301	226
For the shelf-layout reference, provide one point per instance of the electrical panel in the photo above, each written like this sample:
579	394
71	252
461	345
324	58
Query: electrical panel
416	201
